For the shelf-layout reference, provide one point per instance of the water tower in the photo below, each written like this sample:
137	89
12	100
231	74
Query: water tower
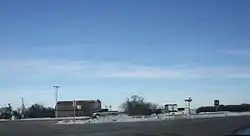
188	101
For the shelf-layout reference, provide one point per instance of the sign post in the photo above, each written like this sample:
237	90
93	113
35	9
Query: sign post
74	107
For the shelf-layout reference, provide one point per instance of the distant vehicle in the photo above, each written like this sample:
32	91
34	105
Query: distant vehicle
104	112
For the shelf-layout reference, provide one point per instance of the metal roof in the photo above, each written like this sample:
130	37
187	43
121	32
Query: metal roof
78	101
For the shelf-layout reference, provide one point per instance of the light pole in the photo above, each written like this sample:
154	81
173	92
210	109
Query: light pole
22	108
56	97
74	107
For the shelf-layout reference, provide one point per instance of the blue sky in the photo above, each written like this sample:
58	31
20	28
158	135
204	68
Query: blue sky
109	50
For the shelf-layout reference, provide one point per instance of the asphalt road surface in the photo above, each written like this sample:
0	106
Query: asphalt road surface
195	127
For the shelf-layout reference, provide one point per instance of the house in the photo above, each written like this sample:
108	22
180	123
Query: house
82	108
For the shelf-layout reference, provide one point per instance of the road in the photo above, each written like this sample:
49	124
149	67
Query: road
195	127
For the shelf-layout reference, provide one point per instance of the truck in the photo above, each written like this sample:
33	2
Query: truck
104	112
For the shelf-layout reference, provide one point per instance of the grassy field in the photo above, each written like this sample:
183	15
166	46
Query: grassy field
194	127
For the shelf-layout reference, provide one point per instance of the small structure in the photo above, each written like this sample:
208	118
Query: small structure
170	108
82	108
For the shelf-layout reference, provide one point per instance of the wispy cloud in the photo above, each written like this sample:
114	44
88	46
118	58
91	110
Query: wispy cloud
54	67
184	73
48	66
34	96
239	52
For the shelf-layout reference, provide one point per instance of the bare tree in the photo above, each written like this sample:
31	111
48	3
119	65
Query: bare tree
136	105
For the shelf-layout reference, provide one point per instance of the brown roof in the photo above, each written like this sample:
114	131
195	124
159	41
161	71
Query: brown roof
170	104
78	101
68	105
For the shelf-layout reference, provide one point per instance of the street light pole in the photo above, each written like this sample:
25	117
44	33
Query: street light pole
56	97
74	107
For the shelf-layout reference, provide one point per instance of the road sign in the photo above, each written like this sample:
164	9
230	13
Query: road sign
216	102
74	103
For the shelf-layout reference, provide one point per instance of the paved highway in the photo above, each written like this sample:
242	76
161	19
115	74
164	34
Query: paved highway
195	127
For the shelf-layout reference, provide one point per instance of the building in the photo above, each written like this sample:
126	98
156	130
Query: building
171	108
82	108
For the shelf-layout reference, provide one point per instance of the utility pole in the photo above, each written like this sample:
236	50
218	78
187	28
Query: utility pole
56	97
74	107
110	107
22	107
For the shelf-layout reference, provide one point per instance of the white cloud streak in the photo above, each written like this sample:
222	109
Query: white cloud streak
37	96
236	52
86	69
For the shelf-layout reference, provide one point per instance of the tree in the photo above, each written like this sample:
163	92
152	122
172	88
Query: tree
136	105
16	114
6	112
34	111
39	111
155	108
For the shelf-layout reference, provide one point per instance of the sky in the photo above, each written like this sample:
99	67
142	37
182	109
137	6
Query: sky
162	50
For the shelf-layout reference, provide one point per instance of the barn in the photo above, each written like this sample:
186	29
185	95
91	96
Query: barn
82	108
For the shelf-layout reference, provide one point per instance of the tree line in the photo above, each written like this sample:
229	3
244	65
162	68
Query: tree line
135	105
34	111
231	108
